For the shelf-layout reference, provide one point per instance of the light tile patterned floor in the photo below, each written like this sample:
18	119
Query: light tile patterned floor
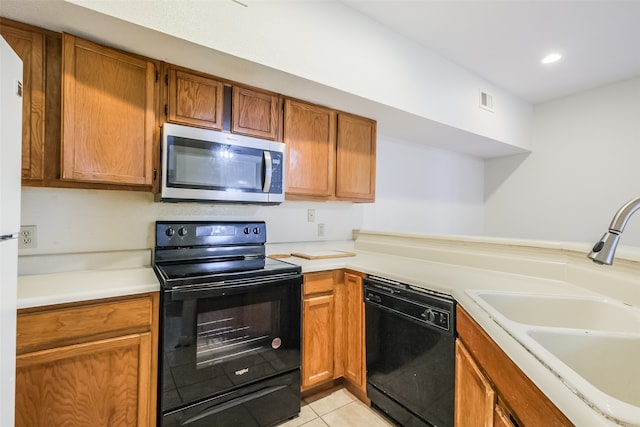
336	408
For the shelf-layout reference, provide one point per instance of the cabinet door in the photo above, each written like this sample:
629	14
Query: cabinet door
309	133
108	100
354	331
194	99
501	418
29	45
100	383
527	404
475	398
254	113
356	158
317	340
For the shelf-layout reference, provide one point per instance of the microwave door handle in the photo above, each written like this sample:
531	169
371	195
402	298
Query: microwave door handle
268	171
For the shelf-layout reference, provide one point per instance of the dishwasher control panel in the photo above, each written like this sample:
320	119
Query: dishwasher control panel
436	317
427	308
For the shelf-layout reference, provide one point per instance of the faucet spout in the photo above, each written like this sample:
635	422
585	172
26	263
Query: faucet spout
604	250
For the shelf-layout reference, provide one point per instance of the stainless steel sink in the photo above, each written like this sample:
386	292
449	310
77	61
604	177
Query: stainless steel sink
562	311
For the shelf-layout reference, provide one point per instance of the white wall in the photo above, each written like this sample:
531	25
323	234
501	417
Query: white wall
321	41
583	167
73	220
426	190
418	189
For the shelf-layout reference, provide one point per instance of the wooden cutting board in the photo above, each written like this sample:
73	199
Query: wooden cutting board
323	254
279	256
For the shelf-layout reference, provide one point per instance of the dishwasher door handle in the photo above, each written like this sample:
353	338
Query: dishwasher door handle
375	298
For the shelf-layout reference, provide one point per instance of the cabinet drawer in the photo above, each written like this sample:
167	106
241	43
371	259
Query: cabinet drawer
69	325
316	283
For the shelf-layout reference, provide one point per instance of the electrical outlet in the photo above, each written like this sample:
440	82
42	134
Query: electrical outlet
28	237
311	215
320	230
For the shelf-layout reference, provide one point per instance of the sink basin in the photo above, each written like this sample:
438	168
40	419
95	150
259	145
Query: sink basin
591	343
608	363
557	311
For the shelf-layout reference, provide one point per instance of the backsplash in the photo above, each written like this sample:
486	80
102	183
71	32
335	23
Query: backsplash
72	220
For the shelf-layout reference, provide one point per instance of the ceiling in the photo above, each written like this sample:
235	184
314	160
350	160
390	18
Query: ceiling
504	41
500	41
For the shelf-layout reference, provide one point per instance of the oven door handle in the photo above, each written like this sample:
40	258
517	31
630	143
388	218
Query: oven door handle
233	402
227	288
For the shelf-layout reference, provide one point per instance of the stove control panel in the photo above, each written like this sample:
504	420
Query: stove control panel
205	233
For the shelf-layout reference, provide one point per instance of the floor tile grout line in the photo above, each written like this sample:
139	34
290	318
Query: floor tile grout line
336	408
352	400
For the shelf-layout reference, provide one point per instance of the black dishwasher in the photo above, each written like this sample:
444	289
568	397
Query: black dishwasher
410	353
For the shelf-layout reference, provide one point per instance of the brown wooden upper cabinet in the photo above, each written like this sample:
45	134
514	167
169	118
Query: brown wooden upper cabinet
30	47
356	158
198	99
91	117
255	113
310	137
193	98
330	154
109	114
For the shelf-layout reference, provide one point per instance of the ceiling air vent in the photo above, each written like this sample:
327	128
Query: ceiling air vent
486	101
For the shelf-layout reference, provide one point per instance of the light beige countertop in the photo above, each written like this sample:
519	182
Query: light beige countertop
456	265
450	265
63	278
73	286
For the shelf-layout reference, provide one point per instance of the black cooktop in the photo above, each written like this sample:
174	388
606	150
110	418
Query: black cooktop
213	252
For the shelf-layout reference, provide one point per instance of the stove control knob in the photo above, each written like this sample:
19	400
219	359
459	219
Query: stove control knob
182	231
247	230
256	230
170	232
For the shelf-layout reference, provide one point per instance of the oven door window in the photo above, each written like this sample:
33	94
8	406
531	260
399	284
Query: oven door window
216	344
214	166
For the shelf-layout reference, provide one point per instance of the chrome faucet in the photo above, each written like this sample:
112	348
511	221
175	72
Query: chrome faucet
604	250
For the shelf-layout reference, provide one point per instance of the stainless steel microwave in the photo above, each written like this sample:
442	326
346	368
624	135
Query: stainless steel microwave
206	165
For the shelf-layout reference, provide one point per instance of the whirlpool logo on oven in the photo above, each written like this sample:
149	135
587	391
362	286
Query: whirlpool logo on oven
242	371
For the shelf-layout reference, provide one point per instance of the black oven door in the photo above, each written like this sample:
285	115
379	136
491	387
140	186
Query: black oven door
217	340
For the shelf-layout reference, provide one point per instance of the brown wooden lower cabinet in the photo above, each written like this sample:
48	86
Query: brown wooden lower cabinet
317	340
490	389
355	368
318	328
333	331
475	398
501	417
90	364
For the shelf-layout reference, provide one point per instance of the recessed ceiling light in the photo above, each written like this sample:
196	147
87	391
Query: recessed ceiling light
551	58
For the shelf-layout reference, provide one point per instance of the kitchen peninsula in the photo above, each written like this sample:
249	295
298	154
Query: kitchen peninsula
451	265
